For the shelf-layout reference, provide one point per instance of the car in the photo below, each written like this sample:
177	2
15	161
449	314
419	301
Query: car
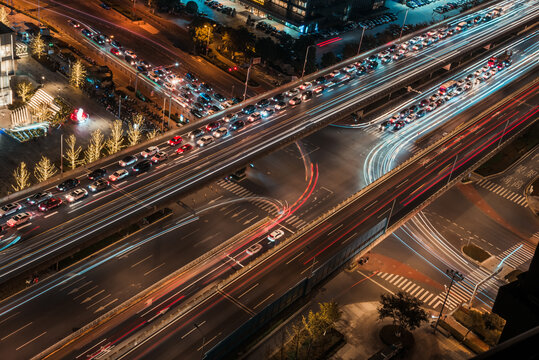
275	235
254	117
98	39
434	97
214	125
278	98
19	219
68	184
249	109
195	134
73	23
76	195
118	175
190	77
219	97
128	160
292	93
159	157
230	117
237	125
184	148
97	174
263	103
432	106
306	85
170	87
39	197
318	90
493	71
267	112
115	51
105	6
398	125
151	151
222	131
385	124
486	75
99	185
420	114
320	80
307	95
9	209
205	140
176	140
394	119
116	44
130	53
253	249
424	103
350	68
50	204
295	101
87	33
280	106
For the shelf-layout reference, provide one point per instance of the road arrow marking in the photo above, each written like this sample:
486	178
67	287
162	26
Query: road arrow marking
101	308
93	296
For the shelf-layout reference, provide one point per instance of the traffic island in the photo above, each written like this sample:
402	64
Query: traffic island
475	253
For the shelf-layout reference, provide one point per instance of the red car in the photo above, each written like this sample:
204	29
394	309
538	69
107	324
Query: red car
214	125
115	51
184	148
50	204
176	140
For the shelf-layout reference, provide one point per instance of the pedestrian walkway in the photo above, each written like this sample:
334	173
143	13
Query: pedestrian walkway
42	97
410	287
240	191
503	192
519	257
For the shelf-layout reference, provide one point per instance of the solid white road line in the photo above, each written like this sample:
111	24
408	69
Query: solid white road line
16	331
155	268
28	342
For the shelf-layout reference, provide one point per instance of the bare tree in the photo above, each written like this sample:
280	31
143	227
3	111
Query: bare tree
37	45
97	143
134	130
3	16
72	154
21	176
42	112
77	74
152	134
44	169
116	140
24	89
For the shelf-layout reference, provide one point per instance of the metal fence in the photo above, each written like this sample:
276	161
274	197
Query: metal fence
229	345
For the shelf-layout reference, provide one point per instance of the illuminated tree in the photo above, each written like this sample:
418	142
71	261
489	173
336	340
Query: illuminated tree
44	169
72	154
97	143
3	16
37	45
42	112
227	41
204	34
21	176
404	309
134	130
152	134
24	89
77	74
116	140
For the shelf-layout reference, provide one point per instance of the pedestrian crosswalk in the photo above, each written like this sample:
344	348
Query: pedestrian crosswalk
503	192
373	130
240	191
461	291
516	258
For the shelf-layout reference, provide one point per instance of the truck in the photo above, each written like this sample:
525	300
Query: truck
447	87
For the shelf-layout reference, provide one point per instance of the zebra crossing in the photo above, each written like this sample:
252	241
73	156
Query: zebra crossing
461	292
240	191
503	192
373	130
519	257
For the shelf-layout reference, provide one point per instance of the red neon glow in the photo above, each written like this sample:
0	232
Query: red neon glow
327	42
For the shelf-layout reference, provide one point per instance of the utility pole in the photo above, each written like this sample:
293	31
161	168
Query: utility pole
452	168
120	107
164	105
61	153
361	40
503	133
455	277
404	22
305	62
169	108
247	80
390	212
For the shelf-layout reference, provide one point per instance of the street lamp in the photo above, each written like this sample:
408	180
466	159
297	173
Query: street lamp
305	62
455	277
404	22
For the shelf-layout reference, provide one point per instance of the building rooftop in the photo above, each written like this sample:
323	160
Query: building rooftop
4	29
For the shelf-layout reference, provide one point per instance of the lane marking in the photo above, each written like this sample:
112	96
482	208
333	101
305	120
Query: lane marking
16	331
152	270
51	214
28	342
263	301
246	291
137	263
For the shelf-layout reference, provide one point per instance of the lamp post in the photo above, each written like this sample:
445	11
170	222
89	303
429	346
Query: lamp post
503	133
247	80
305	62
361	40
404	22
455	277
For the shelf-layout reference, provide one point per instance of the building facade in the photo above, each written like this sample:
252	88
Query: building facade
7	63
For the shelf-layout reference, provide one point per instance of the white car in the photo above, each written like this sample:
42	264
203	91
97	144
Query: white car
130	53
305	86
253	249
151	151
205	140
19	219
118	175
254	117
275	234
9	209
292	93
222	131
76	195
159	157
